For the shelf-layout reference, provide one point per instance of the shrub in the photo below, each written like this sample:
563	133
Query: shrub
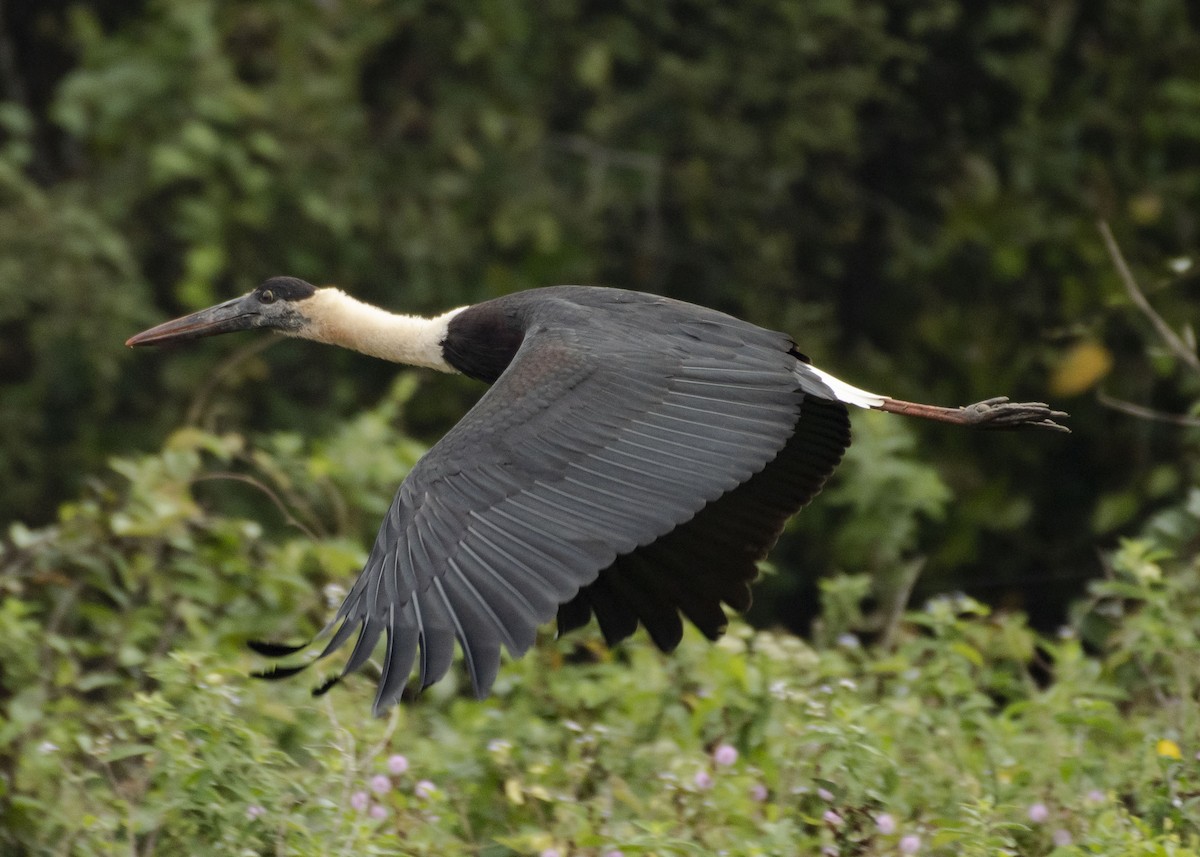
129	725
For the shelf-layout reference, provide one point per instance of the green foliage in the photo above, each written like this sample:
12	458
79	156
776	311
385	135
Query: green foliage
887	491
1134	615
129	723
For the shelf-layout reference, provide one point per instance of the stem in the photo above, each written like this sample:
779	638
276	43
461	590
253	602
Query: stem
1145	413
289	518
1169	336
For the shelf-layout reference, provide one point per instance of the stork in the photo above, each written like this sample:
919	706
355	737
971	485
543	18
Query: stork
634	458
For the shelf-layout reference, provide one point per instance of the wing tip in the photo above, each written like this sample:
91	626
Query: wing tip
327	685
275	650
278	672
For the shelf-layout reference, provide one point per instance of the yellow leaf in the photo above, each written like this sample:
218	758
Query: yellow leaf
1146	207
1080	369
1168	749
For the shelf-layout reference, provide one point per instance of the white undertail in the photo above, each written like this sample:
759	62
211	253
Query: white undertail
818	383
336	318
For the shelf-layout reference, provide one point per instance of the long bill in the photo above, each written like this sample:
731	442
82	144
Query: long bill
237	314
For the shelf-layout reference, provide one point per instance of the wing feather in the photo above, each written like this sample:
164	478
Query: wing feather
712	558
614	613
400	651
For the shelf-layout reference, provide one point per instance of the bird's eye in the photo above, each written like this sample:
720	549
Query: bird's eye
266	296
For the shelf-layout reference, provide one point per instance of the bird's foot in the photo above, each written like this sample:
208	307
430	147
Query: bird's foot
1000	413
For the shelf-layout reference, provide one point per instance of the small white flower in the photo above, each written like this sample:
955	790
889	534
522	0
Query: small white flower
334	593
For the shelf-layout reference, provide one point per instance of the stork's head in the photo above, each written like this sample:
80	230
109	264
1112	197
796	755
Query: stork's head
278	304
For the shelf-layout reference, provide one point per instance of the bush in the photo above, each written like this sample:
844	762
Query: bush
129	724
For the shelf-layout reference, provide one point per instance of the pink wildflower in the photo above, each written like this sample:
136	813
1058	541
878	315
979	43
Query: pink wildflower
725	755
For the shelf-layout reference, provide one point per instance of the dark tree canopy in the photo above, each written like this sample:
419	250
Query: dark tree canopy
910	189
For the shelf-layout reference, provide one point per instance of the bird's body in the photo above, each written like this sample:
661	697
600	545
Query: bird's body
634	459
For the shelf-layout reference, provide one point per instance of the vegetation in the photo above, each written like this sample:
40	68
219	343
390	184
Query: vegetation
130	725
911	188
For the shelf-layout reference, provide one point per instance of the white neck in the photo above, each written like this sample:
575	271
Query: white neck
338	319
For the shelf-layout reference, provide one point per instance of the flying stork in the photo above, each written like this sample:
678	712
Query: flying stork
634	458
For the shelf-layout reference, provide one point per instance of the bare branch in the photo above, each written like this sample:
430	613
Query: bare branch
289	518
1172	339
1144	412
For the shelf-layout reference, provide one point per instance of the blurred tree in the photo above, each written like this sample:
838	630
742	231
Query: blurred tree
910	188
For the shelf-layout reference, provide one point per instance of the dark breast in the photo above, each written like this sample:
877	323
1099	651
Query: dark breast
482	339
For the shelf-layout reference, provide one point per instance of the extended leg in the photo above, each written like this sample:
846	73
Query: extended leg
997	413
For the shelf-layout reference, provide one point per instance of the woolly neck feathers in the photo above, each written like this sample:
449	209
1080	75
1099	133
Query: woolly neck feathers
336	318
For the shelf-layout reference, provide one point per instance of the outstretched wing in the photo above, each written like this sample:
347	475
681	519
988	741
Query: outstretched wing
592	444
713	558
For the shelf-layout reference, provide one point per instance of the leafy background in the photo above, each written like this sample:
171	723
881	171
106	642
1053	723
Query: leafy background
912	189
